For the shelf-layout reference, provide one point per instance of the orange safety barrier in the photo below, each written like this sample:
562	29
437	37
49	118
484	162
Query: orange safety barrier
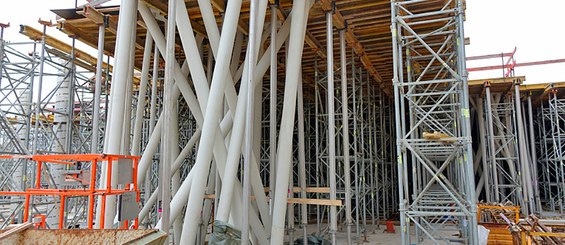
91	191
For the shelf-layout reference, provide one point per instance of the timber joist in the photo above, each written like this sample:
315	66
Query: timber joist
88	61
367	25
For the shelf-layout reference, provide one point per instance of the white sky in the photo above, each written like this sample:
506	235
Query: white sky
494	26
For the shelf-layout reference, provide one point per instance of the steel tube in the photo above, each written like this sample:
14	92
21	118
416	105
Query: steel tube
210	124
284	154
273	106
168	111
331	125
141	97
115	122
345	129
97	91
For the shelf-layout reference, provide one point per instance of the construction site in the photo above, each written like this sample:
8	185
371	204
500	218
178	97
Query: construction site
273	122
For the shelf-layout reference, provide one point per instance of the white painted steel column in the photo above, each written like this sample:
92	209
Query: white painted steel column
152	112
141	97
175	175
479	108
284	155
532	139
345	132
97	91
273	106
234	151
168	101
178	200
190	48
302	161
127	122
114	128
523	152
175	209
154	87
249	118
210	124
331	123
181	80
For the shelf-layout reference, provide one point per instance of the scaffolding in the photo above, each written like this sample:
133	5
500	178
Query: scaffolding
320	145
551	140
434	153
47	107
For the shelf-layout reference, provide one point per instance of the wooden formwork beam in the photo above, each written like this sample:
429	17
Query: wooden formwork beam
37	35
340	23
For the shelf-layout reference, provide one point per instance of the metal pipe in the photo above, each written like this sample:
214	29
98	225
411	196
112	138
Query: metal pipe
524	162
404	235
181	80
490	134
168	107
479	108
40	88
273	107
210	123
190	47
97	91
469	176
344	127
154	87
141	96
284	154
173	126
302	160
71	101
535	177
114	128
249	118
331	125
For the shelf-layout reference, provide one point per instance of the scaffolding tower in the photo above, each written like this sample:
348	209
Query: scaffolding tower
552	143
434	152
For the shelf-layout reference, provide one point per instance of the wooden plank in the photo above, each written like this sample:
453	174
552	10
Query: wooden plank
98	18
547	234
16	229
36	35
340	23
325	202
313	189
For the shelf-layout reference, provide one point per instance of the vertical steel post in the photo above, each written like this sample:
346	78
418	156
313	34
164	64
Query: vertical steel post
39	89
98	90
345	130
404	235
168	101
490	137
483	147
249	118
284	154
154	88
302	161
331	124
468	172
524	162
115	114
141	96
273	106
535	177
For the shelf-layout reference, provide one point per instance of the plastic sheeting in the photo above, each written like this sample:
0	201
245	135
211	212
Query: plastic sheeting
225	234
483	235
312	240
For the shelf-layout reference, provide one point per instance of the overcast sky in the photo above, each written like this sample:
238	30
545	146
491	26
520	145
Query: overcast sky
494	26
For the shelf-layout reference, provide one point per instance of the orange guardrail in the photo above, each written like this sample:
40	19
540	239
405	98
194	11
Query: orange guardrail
91	191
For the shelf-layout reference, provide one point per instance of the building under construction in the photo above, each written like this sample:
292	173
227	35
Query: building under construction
272	122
